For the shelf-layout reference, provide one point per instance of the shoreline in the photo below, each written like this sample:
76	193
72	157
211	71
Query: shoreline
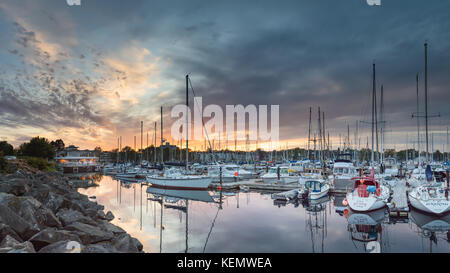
44	212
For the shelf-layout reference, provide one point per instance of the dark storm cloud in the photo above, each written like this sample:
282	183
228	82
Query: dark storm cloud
293	53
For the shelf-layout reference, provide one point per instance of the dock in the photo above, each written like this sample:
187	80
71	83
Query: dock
398	206
255	184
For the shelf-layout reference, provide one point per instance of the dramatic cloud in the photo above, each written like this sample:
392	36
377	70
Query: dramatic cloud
93	72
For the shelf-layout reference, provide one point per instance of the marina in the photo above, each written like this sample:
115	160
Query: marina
157	217
228	127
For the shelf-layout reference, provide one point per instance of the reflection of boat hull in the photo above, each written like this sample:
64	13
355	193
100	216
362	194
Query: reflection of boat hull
430	222
370	218
191	183
198	195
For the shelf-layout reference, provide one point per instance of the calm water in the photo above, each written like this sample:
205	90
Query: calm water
252	222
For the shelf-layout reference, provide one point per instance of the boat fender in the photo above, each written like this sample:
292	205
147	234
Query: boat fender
345	202
378	191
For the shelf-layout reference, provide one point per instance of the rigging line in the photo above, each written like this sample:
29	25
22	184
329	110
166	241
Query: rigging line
203	122
214	221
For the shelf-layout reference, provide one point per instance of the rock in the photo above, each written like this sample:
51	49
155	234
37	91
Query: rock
125	243
17	223
6	230
100	248
65	246
109	216
101	215
51	235
54	202
31	210
89	234
68	217
11	245
108	227
16	186
138	244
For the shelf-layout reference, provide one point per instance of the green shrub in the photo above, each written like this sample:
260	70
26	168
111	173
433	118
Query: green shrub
40	164
4	168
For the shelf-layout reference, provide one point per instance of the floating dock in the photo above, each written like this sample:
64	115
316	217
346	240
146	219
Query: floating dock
255	184
398	206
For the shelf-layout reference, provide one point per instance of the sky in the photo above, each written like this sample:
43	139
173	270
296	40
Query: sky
90	73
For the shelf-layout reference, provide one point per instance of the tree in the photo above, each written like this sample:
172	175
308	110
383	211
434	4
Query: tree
6	148
37	147
58	145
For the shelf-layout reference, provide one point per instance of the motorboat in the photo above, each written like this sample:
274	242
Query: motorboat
343	172
391	166
282	172
367	194
316	189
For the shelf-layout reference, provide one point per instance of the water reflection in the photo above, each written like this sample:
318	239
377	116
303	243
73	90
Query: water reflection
206	221
431	228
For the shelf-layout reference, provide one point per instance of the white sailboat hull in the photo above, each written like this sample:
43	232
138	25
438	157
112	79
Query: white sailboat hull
180	183
434	206
357	203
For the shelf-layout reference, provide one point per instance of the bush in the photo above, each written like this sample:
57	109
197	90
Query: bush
37	147
40	164
4	166
6	148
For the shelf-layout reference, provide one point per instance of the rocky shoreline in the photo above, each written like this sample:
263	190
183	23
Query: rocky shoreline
44	213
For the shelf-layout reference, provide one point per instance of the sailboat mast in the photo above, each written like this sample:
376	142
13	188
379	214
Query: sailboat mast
187	121
373	113
418	120
162	139
382	123
309	131
154	150
142	135
426	99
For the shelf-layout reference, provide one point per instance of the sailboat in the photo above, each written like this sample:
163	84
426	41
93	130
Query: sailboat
174	178
431	197
367	194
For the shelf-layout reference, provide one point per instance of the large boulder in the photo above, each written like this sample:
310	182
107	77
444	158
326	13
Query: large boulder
11	245
108	227
89	234
16	186
69	216
16	223
51	235
65	246
109	216
7	230
31	210
127	244
103	247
